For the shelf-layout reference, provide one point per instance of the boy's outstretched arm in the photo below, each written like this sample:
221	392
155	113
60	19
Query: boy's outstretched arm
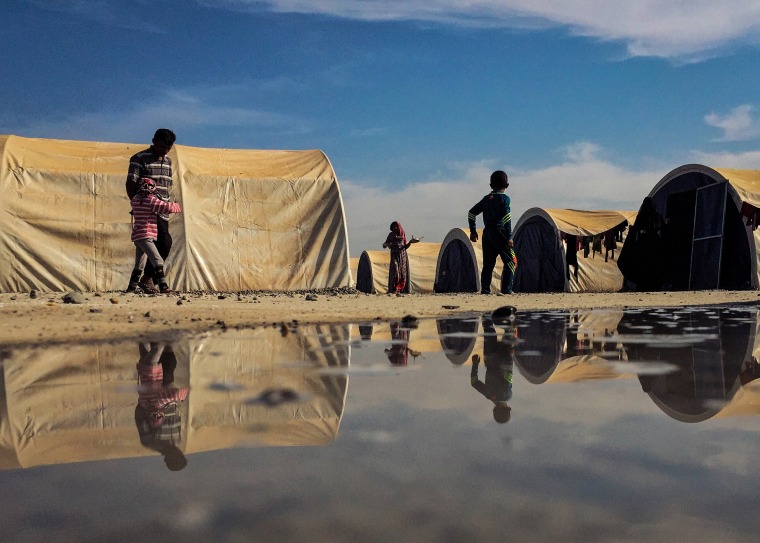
475	210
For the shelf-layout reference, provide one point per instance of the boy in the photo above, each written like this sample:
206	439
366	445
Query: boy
497	234
145	209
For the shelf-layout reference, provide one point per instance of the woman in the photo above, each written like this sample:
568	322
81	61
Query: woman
397	271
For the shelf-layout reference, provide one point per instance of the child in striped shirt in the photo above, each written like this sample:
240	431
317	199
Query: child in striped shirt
145	208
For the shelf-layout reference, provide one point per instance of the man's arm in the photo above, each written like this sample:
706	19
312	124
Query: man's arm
133	178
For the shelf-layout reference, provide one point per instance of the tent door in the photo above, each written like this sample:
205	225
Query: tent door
707	243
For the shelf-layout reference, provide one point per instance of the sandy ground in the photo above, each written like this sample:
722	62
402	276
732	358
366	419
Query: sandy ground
26	320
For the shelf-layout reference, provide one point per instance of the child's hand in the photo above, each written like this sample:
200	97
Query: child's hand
473	236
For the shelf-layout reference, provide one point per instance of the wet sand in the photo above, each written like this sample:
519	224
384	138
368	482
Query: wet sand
114	316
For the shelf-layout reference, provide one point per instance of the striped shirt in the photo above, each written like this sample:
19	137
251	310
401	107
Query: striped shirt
496	211
145	210
146	163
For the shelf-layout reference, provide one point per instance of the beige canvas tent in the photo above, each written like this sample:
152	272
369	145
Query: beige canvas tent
542	254
252	220
710	240
372	270
74	404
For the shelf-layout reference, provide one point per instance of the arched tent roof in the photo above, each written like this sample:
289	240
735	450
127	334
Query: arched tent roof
459	263
74	404
706	242
586	368
707	351
252	220
372	270
541	254
567	346
460	338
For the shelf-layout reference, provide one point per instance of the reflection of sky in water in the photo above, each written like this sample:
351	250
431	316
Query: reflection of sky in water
594	451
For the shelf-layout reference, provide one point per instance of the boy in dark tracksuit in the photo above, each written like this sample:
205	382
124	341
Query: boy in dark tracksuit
497	234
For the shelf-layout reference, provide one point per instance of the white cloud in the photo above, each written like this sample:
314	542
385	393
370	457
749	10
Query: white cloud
677	29
749	160
182	110
685	30
433	207
737	125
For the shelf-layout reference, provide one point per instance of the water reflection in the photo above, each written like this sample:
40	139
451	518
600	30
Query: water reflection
158	412
241	388
688	361
691	362
707	369
263	387
499	359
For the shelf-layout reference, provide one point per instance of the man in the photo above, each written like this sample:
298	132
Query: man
153	163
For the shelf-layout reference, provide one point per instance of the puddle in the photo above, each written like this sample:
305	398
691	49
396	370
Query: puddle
628	425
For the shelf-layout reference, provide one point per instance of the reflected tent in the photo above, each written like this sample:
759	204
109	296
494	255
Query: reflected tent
252	219
708	367
77	404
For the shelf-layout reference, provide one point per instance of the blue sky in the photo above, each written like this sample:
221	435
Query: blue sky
587	104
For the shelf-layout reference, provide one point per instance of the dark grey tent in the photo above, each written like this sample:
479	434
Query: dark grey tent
697	232
459	264
543	257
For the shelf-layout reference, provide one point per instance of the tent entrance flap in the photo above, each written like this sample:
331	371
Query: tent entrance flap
707	250
695	222
457	272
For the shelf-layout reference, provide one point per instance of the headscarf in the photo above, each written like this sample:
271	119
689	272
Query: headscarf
401	231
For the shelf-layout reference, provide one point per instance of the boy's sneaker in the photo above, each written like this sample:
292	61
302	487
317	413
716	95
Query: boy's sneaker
164	288
133	287
147	287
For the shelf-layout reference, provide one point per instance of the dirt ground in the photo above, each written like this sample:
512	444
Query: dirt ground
45	318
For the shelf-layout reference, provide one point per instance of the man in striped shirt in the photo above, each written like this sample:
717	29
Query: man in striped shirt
154	164
497	234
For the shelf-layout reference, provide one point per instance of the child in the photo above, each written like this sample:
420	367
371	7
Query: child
499	355
397	271
145	209
497	234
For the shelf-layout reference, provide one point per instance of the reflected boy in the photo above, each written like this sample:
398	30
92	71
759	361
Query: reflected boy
499	361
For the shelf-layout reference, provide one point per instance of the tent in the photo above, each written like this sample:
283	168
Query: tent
75	404
459	264
708	350
709	240
252	220
372	271
568	346
542	255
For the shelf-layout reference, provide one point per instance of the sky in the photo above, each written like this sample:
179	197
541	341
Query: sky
586	104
